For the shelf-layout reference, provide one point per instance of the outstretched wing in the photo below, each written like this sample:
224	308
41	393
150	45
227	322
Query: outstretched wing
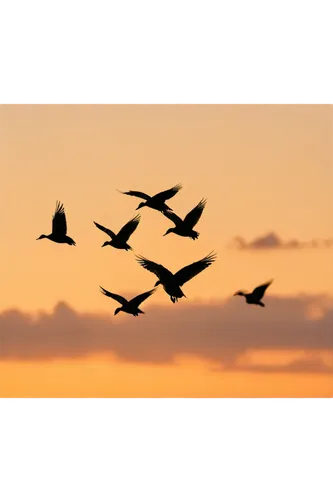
138	194
188	272
161	272
136	301
105	230
194	215
129	228
59	224
169	193
114	296
173	217
258	292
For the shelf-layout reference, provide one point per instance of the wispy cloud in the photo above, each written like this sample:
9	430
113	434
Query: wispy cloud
217	332
273	241
308	362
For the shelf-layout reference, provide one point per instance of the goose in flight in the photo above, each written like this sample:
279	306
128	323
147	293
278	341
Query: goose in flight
129	306
185	227
120	240
157	202
172	282
59	227
256	295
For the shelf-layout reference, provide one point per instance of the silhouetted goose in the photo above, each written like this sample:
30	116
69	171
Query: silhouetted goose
172	282
120	240
59	227
129	306
185	227
157	202
257	294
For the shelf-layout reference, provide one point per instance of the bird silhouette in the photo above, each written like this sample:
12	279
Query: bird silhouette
185	227
172	282
157	202
129	306
59	227
120	240
256	295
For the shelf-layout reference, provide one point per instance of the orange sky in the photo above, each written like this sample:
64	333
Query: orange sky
261	168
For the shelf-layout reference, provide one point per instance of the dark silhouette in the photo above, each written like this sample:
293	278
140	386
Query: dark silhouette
172	282
257	294
185	227
59	227
120	240
157	202
129	306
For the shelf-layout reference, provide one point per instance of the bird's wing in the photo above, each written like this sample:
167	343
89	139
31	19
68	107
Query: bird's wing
194	215
188	272
259	291
160	271
169	193
59	224
105	230
173	217
136	301
138	194
114	296
129	228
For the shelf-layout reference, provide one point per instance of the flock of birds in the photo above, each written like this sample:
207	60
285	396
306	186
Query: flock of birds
171	283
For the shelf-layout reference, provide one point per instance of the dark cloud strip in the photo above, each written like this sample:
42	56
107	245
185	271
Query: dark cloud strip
214	332
271	241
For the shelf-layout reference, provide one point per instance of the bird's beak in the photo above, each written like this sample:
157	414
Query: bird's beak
165	233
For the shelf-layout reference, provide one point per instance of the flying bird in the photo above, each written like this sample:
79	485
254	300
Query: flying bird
157	202
129	306
172	282
120	240
256	295
59	227
185	227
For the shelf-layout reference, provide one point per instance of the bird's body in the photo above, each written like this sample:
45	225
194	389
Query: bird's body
119	240
119	244
59	239
173	290
172	283
59	227
185	227
256	295
129	306
156	202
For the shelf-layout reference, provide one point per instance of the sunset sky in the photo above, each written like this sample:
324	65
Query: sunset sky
267	174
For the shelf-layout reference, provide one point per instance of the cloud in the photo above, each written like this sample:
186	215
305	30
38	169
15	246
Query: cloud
217	332
307	363
273	241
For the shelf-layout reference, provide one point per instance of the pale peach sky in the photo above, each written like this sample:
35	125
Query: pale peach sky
262	169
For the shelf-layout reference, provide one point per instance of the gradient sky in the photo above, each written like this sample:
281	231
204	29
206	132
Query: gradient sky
263	169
